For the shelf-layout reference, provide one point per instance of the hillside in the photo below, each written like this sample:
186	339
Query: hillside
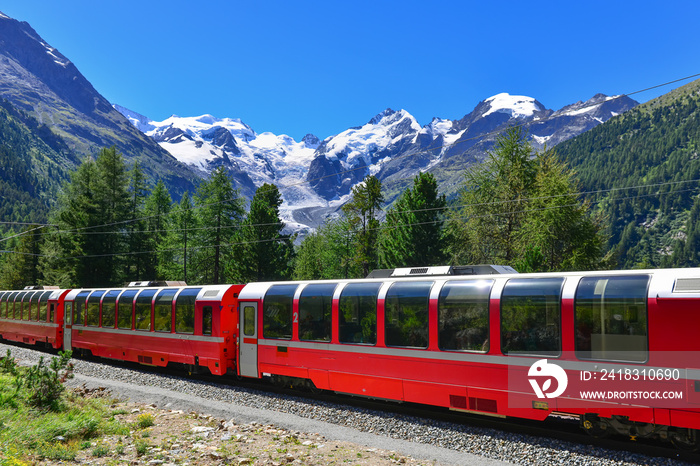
33	164
643	172
39	80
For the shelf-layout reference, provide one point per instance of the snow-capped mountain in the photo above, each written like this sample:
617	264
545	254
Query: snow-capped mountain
315	177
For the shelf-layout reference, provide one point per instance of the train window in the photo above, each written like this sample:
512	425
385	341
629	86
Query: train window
277	311
143	310
125	309
611	318
184	310
163	311
43	304
109	308
315	312
79	309
249	321
35	306
358	313
3	303
531	316
11	306
463	316
92	314
207	320
25	305
406	314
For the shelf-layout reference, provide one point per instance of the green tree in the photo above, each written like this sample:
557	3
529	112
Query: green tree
493	203
522	209
412	233
176	255
136	228
22	267
328	253
221	215
113	204
558	232
157	210
362	211
266	254
91	214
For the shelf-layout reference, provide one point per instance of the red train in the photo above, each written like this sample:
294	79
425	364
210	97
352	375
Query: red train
618	349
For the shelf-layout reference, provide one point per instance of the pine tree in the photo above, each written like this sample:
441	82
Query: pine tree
221	215
157	208
558	233
362	211
138	238
266	254
176	254
523	209
22	267
91	214
493	203
412	233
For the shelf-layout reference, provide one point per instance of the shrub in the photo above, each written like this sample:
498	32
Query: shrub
145	420
45	384
8	364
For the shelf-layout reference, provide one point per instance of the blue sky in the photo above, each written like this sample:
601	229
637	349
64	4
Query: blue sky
298	67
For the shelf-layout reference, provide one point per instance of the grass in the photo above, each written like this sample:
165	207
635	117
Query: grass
30	433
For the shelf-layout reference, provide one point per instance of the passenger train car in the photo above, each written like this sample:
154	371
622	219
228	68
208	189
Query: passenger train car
618	349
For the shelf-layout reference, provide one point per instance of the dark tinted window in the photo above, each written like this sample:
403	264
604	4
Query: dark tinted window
184	310
531	316
11	305
611	318
25	304
3	303
277	311
207	320
315	305
249	321
358	313
163	311
92	316
43	305
35	306
79	308
463	315
125	309
109	308
143	309
406	314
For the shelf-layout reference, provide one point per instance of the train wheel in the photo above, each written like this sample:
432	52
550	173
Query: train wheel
592	424
685	439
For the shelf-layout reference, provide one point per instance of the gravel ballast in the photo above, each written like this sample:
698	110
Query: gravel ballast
422	439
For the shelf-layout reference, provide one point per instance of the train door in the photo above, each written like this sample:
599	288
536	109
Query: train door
68	325
248	341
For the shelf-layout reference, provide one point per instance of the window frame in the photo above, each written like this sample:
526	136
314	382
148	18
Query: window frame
444	308
359	322
140	305
543	353
275	327
580	354
306	306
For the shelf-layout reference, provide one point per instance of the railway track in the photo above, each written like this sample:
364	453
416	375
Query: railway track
514	440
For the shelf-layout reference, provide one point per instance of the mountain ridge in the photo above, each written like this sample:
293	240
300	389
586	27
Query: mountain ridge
318	175
36	78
